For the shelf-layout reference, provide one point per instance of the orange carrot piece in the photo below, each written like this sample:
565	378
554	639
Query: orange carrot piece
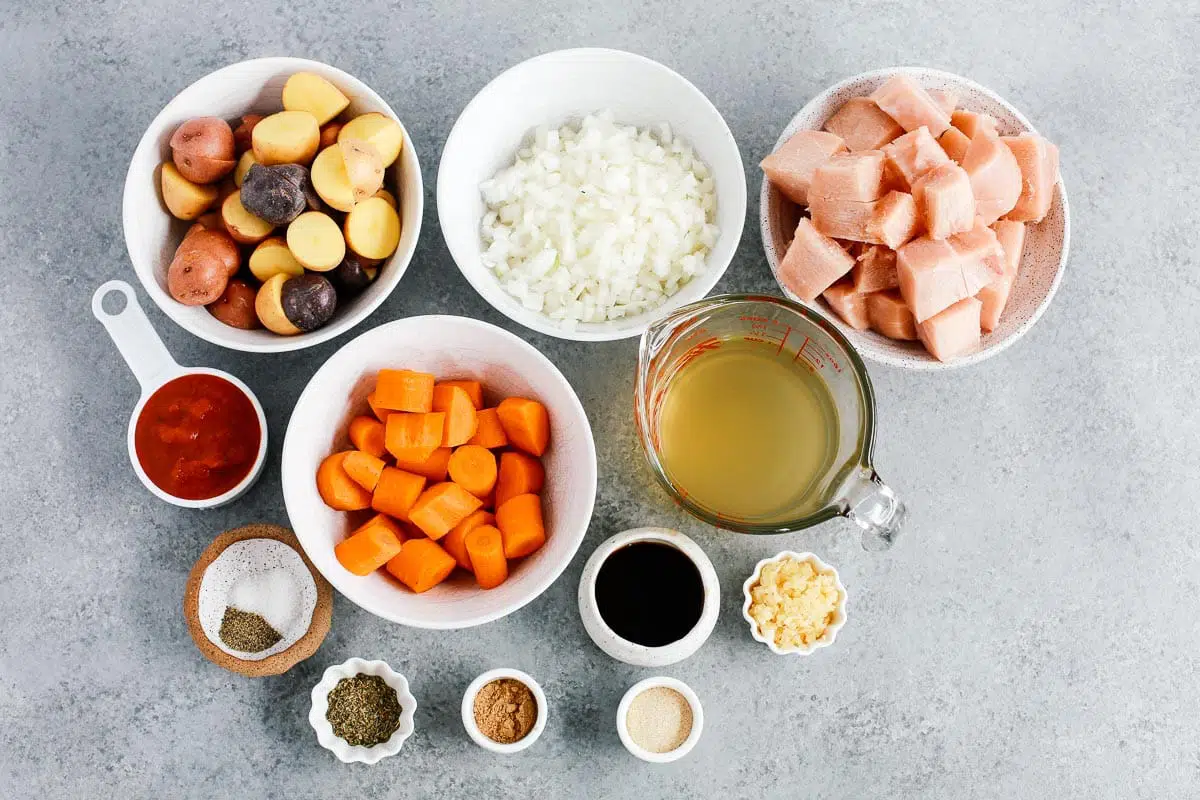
454	542
401	530
460	414
473	468
489	432
526	424
433	467
368	548
364	469
520	522
367	435
519	474
485	547
421	564
338	489
404	390
474	390
441	507
413	437
396	492
379	411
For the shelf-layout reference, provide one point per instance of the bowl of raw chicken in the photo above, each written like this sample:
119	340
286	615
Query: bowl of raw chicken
920	212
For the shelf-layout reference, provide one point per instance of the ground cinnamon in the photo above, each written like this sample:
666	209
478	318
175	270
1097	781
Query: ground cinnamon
505	710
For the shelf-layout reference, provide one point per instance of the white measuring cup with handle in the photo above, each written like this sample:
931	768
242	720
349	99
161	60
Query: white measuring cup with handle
153	366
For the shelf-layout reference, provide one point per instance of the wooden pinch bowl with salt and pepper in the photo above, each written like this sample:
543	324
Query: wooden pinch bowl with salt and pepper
254	604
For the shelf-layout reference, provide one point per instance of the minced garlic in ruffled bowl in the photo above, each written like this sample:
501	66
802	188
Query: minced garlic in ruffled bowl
795	603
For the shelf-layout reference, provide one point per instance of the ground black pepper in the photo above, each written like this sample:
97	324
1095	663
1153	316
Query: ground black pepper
247	632
363	710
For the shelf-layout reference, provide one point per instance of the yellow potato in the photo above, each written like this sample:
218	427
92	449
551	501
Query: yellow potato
373	228
243	166
364	167
316	242
244	227
305	91
330	179
268	304
184	199
383	132
391	198
288	137
271	257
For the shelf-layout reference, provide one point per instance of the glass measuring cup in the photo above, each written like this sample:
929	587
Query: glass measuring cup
849	487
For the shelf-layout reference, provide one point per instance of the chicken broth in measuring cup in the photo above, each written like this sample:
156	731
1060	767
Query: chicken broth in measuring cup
748	429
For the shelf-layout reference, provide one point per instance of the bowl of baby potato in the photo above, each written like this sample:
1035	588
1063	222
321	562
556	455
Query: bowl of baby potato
272	205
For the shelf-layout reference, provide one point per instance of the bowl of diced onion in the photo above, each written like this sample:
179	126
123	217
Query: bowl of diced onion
584	193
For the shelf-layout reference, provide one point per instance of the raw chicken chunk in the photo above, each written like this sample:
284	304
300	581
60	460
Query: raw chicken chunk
954	331
790	168
849	176
1038	161
934	274
875	270
955	143
995	176
914	154
903	99
888	315
994	296
945	201
973	123
849	305
813	262
862	125
946	100
891	220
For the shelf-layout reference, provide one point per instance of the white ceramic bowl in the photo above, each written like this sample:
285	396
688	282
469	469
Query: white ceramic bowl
152	234
346	752
623	649
1046	244
468	711
688	743
449	347
839	618
153	366
563	86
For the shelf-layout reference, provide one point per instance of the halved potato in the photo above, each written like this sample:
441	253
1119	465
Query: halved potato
316	242
391	198
244	227
243	166
306	91
184	199
373	228
273	256
383	132
268	304
330	179
364	167
288	137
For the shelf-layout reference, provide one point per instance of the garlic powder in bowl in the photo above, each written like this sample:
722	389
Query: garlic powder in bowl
598	221
795	603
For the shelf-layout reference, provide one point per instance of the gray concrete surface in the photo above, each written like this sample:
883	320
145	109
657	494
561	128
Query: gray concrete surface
1034	636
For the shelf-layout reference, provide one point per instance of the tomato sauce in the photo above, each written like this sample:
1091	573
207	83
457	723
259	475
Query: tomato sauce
197	437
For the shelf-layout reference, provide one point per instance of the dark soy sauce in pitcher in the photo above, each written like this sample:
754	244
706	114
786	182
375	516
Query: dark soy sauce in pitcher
649	593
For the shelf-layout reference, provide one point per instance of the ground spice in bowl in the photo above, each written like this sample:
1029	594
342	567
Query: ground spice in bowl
363	710
659	719
246	631
505	710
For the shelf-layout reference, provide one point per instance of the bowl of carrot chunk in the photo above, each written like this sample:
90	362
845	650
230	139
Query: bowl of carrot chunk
439	471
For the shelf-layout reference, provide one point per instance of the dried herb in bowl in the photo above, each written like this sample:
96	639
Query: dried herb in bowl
363	710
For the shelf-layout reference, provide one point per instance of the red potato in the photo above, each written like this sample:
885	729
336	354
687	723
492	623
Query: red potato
203	149
242	133
236	306
218	243
196	278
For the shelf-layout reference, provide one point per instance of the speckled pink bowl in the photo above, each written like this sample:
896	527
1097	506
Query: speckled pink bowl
1046	244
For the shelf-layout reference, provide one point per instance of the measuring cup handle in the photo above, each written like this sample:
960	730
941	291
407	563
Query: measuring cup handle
135	337
874	507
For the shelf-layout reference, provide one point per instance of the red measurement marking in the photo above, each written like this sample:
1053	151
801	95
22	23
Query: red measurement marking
783	341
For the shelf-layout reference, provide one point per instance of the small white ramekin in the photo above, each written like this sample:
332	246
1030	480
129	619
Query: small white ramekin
468	711
623	649
839	617
346	752
688	743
